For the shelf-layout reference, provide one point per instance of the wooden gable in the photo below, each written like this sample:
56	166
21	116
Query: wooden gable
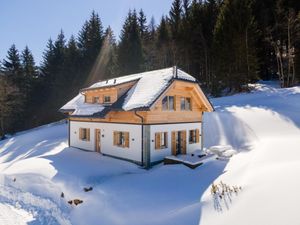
156	115
114	92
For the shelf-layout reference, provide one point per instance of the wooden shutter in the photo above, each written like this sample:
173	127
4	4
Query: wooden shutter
88	134
126	134
115	138
166	138
80	133
157	140
175	103
183	139
197	136
173	143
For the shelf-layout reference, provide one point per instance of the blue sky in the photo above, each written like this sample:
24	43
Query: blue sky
33	22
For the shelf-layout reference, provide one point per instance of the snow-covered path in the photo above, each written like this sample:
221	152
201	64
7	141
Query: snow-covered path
10	215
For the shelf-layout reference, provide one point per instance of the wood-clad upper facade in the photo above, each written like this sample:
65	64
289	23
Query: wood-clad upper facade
156	114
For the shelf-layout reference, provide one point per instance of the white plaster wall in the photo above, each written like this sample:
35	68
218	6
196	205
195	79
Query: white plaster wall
157	155
107	147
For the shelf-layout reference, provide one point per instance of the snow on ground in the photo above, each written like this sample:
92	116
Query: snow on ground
263	126
13	215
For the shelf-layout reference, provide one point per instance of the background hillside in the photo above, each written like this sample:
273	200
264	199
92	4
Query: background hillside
224	44
263	126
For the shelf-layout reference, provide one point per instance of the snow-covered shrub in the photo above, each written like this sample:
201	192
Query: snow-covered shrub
223	193
222	151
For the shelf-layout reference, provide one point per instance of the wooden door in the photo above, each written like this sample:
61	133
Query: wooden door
97	140
173	140
183	142
178	142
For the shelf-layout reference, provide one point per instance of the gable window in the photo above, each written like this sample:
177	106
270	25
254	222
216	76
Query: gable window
84	134
96	100
106	99
168	103
185	104
121	139
194	136
161	140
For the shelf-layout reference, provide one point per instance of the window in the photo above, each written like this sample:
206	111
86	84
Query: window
194	136
84	134
96	100
161	140
121	139
168	103
185	104
106	99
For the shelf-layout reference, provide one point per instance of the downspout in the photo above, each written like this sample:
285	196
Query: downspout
142	121
202	144
69	128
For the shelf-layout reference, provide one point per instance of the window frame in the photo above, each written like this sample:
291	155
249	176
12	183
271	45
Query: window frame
104	99
121	139
184	105
194	138
96	101
159	136
84	134
166	100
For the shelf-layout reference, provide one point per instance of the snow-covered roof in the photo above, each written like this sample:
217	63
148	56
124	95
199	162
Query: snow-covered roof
148	87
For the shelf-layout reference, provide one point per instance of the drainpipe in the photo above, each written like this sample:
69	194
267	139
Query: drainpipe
202	144
142	121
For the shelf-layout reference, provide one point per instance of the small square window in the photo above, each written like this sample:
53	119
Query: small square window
96	100
161	140
168	103
84	134
185	104
121	139
106	99
194	136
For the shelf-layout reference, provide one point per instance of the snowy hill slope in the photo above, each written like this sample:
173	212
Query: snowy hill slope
264	126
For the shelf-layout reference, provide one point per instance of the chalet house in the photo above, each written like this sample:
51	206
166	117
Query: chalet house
142	117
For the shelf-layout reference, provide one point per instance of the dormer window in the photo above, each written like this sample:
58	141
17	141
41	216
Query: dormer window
185	104
168	103
106	99
96	100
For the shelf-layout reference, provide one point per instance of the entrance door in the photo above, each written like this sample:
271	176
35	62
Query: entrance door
97	140
178	142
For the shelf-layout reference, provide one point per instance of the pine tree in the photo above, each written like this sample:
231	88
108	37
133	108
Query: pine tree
142	21
111	68
163	44
90	39
12	65
29	70
130	53
72	63
175	16
47	66
9	102
234	45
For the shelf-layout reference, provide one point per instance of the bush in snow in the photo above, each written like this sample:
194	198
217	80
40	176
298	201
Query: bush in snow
223	193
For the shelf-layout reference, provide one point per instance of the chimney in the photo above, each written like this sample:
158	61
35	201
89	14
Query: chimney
175	72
